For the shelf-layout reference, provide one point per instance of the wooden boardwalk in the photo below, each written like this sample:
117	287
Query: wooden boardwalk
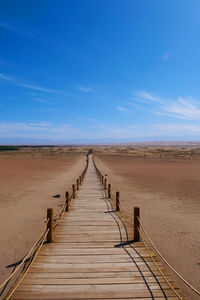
90	258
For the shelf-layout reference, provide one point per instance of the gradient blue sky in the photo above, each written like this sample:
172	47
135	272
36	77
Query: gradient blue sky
99	70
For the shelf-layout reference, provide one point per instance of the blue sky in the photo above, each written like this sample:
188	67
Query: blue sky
99	70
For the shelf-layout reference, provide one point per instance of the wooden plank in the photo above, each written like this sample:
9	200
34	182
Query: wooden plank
89	259
83	259
81	228
86	222
94	281
106	231
137	246
89	291
90	267
23	296
108	274
77	236
83	244
92	251
63	238
91	233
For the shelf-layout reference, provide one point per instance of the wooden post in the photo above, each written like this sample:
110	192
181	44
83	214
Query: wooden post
136	224
67	201
117	201
77	184
102	180
73	190
109	190
49	224
105	183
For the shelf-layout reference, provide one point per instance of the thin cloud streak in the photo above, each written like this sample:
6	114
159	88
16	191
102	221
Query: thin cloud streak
35	130
181	108
86	89
17	82
120	108
32	35
40	100
148	96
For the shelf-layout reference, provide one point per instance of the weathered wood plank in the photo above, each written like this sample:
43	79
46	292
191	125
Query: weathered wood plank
90	267
88	291
89	259
92	251
83	259
93	280
108	274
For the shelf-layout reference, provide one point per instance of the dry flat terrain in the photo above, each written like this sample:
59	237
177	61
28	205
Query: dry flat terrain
167	189
29	177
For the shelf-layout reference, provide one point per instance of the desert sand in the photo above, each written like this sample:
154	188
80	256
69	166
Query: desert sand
28	180
167	190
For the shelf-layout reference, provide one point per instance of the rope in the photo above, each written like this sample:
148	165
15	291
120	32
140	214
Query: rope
169	284
23	260
20	280
171	268
61	216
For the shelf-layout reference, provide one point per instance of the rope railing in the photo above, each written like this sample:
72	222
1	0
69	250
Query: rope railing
157	267
19	280
139	235
25	257
166	262
45	235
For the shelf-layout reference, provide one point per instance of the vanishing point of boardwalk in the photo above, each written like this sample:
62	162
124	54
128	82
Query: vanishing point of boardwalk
90	256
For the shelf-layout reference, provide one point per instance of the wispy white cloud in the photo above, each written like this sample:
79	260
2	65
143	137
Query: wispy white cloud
85	89
20	83
41	100
120	108
88	89
175	129
13	126
16	29
34	87
19	29
2	76
182	108
147	96
165	56
36	129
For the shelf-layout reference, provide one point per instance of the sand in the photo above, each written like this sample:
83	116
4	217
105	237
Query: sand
28	179
168	194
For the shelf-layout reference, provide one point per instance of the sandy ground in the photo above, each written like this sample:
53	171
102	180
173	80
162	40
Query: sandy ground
168	193
27	182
